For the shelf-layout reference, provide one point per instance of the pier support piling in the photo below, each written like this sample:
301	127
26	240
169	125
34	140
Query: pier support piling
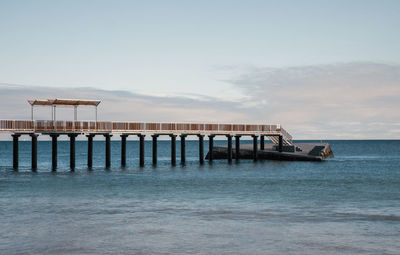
34	151
201	149
229	148
183	148
255	145
54	151
90	151
154	148
141	150
173	149
72	151
237	147
123	150
262	142
280	146
108	150
15	150
210	147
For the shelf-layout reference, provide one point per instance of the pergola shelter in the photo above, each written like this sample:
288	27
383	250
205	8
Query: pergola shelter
53	103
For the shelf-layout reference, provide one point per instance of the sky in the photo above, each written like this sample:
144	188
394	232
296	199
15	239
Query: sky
323	69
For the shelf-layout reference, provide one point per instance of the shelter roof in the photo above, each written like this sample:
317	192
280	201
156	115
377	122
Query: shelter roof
73	102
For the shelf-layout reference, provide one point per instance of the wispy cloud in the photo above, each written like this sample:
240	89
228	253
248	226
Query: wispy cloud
333	101
341	101
121	105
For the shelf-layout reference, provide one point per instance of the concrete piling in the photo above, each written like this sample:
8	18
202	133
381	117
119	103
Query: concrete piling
262	142
90	151
141	150
54	151
201	149
108	150
229	148
72	151
183	148
173	149
34	151
154	149
237	147
255	145
210	147
123	150
15	150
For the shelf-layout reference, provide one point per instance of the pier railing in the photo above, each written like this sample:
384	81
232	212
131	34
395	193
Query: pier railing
48	126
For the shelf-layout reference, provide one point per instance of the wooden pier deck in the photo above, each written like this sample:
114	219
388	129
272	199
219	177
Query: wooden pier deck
54	128
117	127
72	129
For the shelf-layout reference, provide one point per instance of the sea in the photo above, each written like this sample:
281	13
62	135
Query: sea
349	204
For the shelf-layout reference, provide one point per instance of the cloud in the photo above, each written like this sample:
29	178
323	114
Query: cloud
119	105
332	101
340	101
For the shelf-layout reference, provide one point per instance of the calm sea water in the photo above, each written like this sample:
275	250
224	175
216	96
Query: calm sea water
347	205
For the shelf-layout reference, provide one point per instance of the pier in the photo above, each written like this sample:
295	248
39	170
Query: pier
55	128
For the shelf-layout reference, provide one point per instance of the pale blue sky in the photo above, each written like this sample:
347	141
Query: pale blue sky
170	47
323	69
